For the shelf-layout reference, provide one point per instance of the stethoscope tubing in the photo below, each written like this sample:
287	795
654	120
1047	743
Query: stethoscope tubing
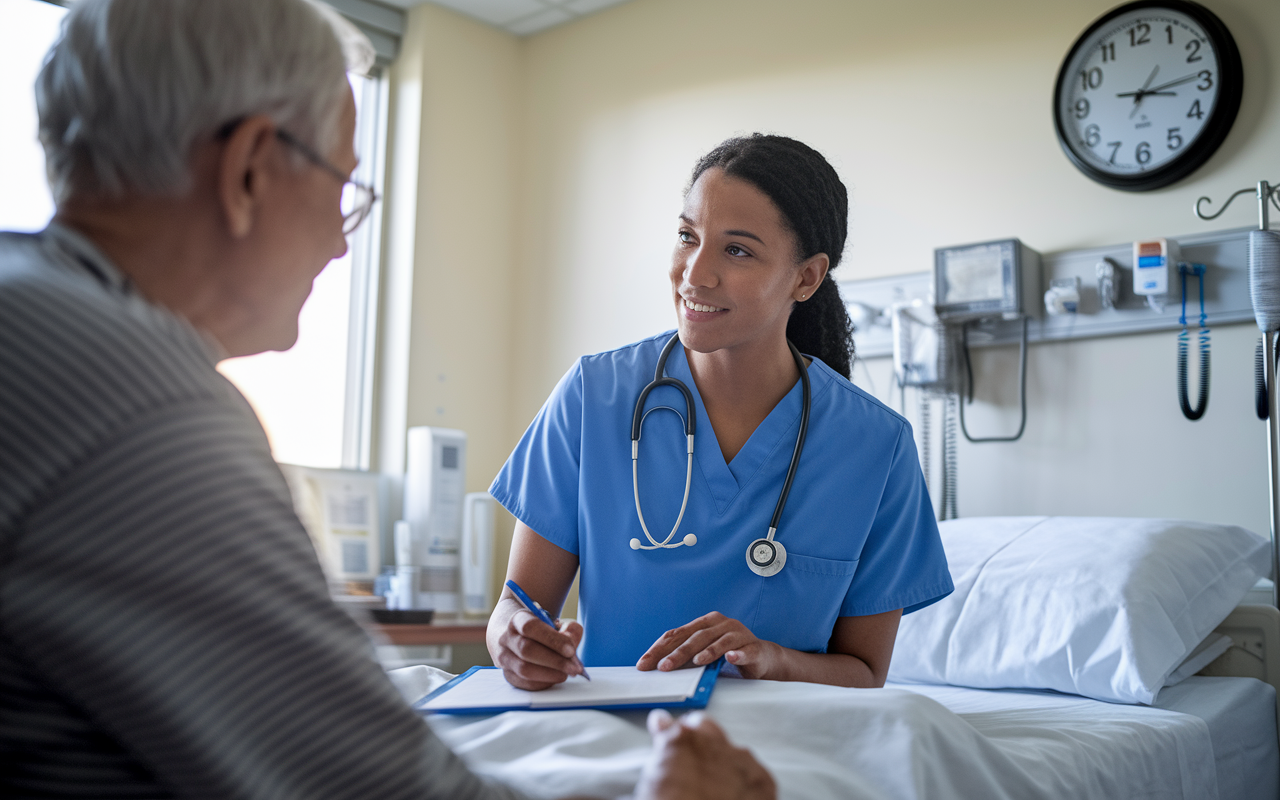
806	400
690	423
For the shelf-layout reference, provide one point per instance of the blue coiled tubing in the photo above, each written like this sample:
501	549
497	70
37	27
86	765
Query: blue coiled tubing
1184	339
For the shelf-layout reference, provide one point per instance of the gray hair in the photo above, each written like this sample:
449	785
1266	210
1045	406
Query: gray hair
133	86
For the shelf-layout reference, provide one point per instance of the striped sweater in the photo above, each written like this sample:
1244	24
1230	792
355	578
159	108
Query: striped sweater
165	628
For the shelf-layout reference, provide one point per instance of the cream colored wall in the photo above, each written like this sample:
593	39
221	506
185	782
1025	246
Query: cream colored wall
937	114
550	170
452	180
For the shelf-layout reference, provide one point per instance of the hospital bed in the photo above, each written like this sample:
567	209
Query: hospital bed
1090	701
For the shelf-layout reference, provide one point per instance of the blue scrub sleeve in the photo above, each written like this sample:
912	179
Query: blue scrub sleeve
902	563
539	482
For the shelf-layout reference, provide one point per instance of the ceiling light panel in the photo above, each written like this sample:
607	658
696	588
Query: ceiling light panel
521	17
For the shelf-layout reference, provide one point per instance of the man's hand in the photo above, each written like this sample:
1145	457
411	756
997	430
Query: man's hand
693	760
707	638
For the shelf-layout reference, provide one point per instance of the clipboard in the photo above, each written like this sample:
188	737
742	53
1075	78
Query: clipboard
512	699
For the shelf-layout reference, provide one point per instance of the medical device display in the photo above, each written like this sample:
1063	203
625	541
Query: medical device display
766	556
1147	94
999	279
436	461
1264	292
989	279
340	510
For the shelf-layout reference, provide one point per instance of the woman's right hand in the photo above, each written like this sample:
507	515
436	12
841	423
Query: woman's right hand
532	655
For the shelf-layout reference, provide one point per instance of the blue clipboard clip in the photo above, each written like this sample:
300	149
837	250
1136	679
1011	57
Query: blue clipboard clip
699	699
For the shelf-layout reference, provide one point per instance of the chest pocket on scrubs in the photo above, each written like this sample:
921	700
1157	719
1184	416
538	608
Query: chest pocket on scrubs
798	606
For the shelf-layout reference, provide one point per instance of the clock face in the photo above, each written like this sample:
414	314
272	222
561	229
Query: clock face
1147	94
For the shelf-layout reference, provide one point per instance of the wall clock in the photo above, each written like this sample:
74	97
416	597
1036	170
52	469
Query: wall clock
1147	93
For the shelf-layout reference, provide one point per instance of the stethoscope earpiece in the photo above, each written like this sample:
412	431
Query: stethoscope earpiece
689	540
765	556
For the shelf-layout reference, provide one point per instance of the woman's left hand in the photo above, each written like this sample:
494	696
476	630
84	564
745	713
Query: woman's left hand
707	638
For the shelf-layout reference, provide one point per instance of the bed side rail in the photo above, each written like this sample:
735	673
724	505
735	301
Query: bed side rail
1255	631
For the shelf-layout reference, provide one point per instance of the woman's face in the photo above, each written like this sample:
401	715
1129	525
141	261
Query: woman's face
734	275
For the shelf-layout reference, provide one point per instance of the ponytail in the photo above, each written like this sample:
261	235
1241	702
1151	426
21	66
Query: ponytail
821	327
815	205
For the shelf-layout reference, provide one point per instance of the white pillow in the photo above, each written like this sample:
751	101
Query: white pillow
1105	608
1214	645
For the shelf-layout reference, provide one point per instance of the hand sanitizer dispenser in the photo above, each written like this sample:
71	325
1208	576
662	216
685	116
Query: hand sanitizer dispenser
477	554
434	487
1152	262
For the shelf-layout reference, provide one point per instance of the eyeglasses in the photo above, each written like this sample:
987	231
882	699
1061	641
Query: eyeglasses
357	198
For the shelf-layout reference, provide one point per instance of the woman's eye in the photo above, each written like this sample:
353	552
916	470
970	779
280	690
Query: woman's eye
734	250
685	236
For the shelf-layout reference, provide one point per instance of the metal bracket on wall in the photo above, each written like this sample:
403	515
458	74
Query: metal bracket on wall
1226	296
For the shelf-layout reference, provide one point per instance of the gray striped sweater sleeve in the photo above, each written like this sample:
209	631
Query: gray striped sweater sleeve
165	628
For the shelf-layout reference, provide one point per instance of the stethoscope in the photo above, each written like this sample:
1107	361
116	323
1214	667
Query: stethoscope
765	556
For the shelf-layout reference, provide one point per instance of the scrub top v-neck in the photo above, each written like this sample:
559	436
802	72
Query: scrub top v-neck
859	528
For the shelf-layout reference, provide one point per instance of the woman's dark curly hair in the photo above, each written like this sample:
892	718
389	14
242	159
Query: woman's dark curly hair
815	206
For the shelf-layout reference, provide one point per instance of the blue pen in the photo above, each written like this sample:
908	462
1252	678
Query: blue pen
541	613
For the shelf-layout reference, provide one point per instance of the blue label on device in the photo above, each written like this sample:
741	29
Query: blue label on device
1150	261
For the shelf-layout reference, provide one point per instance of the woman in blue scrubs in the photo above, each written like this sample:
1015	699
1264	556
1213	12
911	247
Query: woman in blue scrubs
764	223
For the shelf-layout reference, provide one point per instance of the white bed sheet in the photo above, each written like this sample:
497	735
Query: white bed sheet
898	742
1241	716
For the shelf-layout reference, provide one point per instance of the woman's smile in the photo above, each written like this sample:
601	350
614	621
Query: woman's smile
700	307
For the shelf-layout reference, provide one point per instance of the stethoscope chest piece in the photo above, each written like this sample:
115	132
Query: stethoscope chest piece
766	557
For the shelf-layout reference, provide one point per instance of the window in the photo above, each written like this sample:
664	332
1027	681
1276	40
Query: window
31	27
315	399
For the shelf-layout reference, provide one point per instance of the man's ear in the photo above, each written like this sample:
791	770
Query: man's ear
243	173
812	271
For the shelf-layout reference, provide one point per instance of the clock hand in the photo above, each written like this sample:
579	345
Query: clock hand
1170	84
1152	76
1146	93
1141	93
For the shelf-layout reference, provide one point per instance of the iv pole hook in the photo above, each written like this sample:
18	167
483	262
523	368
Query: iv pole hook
1265	191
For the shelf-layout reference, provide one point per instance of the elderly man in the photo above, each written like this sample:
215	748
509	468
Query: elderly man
165	628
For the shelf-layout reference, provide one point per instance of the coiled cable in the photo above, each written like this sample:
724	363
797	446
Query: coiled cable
1260	398
949	458
1184	339
1022	386
925	425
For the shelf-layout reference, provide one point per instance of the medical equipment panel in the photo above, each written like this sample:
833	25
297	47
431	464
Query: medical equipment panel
434	486
988	279
341	510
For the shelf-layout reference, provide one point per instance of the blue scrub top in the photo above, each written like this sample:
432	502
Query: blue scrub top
858	527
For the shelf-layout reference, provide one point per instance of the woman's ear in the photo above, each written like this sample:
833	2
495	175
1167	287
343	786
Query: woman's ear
812	272
243	173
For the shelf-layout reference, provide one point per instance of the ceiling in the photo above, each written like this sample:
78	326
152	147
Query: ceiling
521	17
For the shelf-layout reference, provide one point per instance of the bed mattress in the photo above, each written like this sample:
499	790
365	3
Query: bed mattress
1238	715
1205	738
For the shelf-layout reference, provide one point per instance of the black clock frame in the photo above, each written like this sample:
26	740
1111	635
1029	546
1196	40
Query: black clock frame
1223	116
